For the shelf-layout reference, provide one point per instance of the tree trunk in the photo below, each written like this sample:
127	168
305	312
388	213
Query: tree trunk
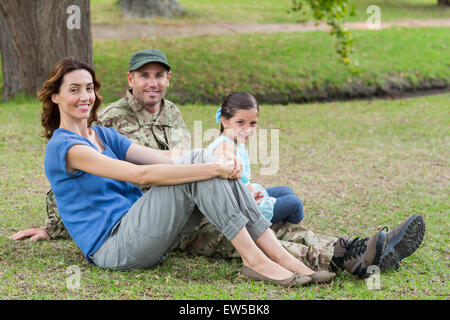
35	35
444	2
150	8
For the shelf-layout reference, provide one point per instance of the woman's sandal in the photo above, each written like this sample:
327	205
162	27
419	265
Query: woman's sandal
322	276
295	280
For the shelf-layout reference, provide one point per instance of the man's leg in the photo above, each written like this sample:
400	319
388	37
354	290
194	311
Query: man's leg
313	249
53	223
206	240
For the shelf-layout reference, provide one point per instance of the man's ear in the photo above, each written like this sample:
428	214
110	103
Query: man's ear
130	79
168	77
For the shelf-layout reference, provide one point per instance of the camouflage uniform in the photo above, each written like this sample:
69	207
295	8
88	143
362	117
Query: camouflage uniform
167	130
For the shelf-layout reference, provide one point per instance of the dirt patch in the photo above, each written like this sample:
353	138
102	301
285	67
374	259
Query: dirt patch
132	30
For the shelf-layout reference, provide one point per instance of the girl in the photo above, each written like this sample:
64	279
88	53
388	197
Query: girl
94	170
238	118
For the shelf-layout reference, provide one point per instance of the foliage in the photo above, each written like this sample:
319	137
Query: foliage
334	13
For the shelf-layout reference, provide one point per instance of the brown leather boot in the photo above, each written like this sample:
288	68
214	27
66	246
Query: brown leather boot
356	255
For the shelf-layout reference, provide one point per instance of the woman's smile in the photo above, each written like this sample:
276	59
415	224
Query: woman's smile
84	107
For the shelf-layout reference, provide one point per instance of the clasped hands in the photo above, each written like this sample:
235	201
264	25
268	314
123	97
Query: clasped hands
230	166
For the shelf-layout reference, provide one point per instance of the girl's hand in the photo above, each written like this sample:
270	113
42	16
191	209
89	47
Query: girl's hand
258	196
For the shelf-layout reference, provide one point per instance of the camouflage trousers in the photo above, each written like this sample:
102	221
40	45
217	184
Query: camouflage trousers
314	250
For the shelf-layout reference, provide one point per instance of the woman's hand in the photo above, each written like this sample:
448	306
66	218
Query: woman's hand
237	172
227	166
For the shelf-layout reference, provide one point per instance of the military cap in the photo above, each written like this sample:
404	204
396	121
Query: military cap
145	56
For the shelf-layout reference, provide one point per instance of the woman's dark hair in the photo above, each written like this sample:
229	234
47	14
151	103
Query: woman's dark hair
50	116
237	101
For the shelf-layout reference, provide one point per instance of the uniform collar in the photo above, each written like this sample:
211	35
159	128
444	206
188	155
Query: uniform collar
145	117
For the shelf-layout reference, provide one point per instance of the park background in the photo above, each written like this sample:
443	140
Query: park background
364	145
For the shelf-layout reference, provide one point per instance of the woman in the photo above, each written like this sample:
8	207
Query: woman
93	172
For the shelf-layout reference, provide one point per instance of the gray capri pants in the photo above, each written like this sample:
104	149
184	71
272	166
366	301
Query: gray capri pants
164	215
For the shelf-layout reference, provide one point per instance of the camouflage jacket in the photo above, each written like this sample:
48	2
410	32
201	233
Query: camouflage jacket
164	131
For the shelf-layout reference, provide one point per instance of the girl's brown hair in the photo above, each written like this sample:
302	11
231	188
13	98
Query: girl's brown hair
50	116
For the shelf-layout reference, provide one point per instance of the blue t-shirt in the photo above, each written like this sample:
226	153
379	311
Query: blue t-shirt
89	205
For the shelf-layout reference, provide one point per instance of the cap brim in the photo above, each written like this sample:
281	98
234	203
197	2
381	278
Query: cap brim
142	63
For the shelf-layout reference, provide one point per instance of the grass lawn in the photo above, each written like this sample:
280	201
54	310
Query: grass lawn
284	67
270	11
356	165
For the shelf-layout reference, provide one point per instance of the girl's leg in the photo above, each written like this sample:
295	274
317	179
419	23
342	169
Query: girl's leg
288	206
280	191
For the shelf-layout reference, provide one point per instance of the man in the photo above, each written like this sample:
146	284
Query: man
147	118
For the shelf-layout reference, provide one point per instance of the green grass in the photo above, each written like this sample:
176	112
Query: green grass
356	165
270	11
285	67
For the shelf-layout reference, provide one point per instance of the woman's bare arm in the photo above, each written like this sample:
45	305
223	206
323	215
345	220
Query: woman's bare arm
85	158
138	154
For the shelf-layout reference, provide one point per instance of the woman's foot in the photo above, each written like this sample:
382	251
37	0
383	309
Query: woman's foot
292	264
294	280
269	269
322	276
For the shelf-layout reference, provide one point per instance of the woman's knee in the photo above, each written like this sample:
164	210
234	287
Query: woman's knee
198	156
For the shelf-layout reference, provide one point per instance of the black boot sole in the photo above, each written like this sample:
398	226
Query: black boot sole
381	245
404	244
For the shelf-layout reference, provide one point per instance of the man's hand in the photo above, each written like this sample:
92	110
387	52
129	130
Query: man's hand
35	234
